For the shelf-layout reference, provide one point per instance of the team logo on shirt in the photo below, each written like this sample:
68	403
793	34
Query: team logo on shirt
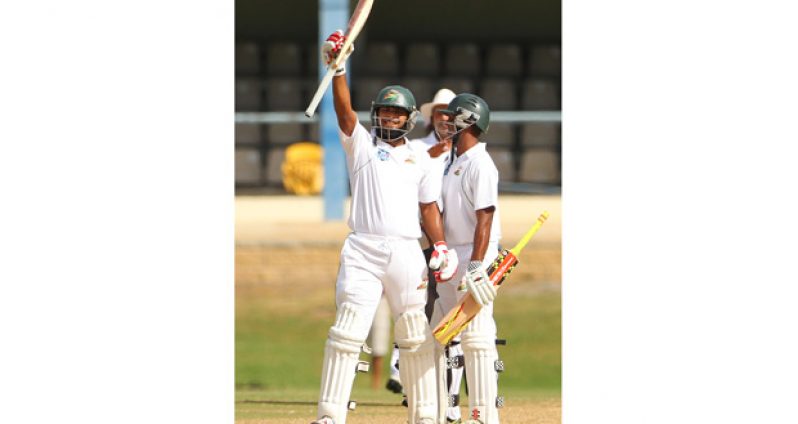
458	171
411	159
383	154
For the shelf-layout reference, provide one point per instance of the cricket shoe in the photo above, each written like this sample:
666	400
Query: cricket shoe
394	386
455	421
324	420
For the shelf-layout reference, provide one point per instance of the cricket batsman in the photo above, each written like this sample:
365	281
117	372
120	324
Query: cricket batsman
471	227
391	184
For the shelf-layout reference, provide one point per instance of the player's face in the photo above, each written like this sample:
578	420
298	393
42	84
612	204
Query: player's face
392	117
436	114
444	126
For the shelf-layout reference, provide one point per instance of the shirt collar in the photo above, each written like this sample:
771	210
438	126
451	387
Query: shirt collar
473	151
400	152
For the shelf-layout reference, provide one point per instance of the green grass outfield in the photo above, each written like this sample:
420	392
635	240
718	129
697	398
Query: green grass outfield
280	335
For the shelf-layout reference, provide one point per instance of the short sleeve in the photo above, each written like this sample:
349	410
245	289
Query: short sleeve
357	145
429	190
485	183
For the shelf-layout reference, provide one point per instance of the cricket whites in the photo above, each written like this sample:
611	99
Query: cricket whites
458	317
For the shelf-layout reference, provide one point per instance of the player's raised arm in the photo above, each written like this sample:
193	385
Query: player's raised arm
342	101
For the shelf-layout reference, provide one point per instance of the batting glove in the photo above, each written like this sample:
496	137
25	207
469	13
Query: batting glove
478	283
443	261
331	49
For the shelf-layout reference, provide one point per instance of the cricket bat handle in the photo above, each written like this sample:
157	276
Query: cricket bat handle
501	267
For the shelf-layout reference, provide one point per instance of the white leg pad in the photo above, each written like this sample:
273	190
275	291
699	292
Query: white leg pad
440	383
479	349
341	353
440	368
417	365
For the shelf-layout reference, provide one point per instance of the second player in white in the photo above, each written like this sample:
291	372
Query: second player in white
471	227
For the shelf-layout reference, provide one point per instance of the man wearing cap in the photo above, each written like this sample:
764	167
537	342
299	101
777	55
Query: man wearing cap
438	149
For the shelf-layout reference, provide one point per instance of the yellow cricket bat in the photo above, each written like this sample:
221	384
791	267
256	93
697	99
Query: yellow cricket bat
455	321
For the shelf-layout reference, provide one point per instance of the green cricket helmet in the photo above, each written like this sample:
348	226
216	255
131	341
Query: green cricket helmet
398	97
468	109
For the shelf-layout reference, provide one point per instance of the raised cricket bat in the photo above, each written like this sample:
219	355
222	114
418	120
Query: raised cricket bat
458	317
356	23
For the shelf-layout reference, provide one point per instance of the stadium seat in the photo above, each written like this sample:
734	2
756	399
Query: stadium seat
500	93
274	166
379	60
248	166
504	60
462	60
500	134
247	134
312	55
314	136
364	91
504	159
421	88
540	134
284	133
284	94
458	85
247	59
248	94
422	59
540	166
540	94
544	61
313	132
283	59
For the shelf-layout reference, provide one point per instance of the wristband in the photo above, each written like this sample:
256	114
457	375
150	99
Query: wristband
474	265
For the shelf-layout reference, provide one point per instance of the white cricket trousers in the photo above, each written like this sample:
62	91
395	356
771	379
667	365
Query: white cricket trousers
477	340
449	296
372	264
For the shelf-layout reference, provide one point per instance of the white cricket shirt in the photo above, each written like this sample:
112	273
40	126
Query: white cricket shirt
387	184
470	183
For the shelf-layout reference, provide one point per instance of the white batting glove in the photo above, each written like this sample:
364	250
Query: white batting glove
331	49
443	261
478	283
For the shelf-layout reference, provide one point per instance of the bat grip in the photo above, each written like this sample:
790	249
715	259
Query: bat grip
501	267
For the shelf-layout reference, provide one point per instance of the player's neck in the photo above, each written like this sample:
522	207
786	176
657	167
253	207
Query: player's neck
465	144
397	143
